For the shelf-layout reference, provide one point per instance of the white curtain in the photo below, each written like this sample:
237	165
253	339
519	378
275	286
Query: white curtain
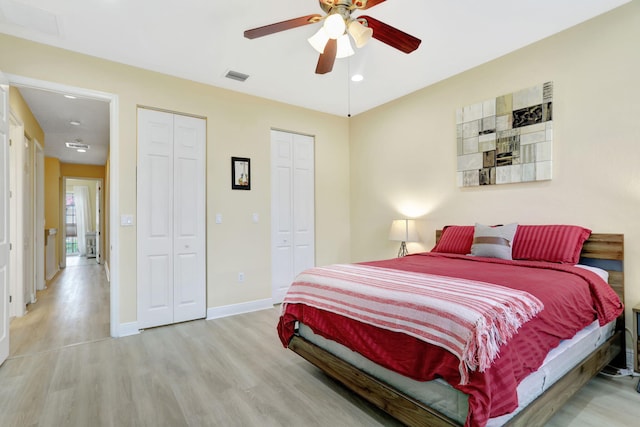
83	216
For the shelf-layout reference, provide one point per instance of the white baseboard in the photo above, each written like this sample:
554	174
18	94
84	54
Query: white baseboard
51	274
234	309
106	270
127	329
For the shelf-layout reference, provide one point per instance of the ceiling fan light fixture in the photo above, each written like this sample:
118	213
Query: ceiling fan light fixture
334	26
344	47
319	40
361	34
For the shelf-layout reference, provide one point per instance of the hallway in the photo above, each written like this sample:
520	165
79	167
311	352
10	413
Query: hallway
73	309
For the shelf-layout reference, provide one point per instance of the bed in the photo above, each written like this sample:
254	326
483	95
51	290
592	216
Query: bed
389	367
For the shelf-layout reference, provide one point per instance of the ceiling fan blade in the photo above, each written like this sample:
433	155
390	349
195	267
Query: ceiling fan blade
328	58
282	26
366	4
391	36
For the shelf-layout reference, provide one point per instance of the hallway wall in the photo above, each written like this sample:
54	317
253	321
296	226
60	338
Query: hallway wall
20	108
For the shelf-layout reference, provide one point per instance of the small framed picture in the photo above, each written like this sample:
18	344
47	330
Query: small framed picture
240	173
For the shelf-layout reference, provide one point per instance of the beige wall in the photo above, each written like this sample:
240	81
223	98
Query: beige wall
403	155
237	125
74	170
18	106
397	160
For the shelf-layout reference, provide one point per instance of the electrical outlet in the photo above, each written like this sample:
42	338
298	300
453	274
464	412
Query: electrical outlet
240	277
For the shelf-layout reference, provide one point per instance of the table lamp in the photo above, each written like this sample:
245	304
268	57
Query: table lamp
403	230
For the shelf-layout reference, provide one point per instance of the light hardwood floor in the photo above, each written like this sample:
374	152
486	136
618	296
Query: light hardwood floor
74	308
224	372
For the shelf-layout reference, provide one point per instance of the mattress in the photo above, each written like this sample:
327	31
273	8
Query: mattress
441	396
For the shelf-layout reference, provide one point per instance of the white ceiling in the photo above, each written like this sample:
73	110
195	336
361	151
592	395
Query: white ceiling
54	113
201	40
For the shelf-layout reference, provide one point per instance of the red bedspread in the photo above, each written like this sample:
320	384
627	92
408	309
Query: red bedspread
572	299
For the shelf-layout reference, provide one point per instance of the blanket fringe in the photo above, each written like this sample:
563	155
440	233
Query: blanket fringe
493	332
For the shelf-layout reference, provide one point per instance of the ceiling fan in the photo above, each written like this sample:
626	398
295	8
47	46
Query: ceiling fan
332	40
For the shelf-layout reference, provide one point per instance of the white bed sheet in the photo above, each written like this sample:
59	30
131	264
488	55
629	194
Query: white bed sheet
453	403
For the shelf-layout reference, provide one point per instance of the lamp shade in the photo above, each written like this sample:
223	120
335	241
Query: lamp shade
344	47
334	25
319	40
361	34
404	230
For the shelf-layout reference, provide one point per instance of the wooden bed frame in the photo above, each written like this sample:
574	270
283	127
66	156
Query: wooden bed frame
607	247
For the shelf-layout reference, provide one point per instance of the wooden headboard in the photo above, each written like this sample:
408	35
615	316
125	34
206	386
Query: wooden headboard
607	248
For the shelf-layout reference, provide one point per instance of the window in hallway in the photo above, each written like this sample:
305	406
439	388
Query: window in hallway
71	225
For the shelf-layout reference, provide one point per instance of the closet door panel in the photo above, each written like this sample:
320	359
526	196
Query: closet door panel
189	218
303	203
292	209
160	295
281	214
188	295
155	218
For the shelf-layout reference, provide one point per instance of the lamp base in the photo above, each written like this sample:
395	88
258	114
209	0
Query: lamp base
403	250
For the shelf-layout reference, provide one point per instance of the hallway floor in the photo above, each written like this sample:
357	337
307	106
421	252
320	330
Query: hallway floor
73	309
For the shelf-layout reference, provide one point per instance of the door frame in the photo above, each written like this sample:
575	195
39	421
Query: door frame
16	218
114	180
28	229
5	243
38	244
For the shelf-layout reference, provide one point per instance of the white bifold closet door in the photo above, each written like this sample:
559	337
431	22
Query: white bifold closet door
292	209
171	278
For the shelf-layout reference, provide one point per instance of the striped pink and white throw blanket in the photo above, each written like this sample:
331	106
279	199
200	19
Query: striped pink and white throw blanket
470	319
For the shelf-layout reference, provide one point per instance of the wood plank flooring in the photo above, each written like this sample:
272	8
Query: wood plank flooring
224	372
74	308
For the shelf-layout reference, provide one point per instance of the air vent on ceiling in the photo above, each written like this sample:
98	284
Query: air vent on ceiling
31	17
234	75
76	145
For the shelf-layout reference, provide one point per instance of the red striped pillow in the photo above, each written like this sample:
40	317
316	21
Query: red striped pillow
551	243
455	239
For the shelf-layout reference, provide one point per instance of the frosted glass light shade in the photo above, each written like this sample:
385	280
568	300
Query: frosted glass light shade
334	25
319	40
344	47
361	34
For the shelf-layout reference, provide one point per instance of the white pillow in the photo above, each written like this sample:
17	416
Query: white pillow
493	242
600	272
